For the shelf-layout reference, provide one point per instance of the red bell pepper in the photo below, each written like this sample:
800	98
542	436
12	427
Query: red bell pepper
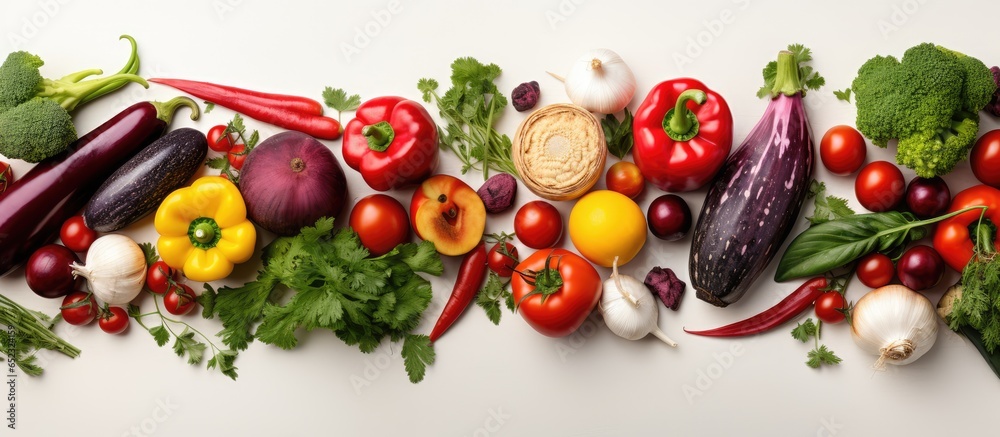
392	142
683	133
956	237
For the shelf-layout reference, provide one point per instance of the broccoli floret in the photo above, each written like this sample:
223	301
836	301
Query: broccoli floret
933	153
929	101
25	120
35	130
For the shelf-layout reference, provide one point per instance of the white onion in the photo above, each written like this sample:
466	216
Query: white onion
600	82
894	323
115	269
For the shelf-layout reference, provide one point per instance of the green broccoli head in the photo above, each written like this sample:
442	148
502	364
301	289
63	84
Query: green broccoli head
20	79
35	130
925	101
934	153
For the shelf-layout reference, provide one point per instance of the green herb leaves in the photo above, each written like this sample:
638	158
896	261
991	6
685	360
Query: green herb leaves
844	95
338	287
492	294
618	134
337	99
470	107
820	354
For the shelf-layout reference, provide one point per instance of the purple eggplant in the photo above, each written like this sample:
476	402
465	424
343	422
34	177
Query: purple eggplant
754	201
35	207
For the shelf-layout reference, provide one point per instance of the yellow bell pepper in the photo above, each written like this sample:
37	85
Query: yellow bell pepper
204	229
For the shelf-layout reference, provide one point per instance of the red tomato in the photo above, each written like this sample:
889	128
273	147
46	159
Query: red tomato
842	150
6	176
565	307
625	177
828	305
179	300
218	142
114	320
381	222
875	270
79	308
538	224
502	259
985	158
880	186
236	156
76	235
159	276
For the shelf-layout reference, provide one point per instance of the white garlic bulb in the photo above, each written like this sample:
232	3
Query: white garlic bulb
115	269
629	309
894	323
600	82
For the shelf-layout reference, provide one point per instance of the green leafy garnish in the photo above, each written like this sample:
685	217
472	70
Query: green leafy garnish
844	95
337	99
337	286
808	79
32	333
209	106
492	294
470	107
618	134
820	354
828	207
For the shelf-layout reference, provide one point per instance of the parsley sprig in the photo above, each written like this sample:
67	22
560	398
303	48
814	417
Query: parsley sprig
470	107
338	100
338	287
820	354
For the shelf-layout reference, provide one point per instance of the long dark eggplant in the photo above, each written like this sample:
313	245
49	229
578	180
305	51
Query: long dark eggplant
35	207
138	187
754	201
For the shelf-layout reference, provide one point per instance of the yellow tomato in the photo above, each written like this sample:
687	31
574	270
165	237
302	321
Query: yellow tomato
605	224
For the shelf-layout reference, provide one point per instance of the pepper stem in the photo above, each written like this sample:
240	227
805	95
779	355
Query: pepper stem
204	233
165	110
680	123
786	79
379	135
985	231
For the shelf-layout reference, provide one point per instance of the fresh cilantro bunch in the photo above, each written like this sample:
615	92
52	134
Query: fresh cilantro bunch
470	107
338	287
820	354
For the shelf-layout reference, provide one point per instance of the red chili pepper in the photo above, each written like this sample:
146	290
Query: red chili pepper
683	132
289	112
470	277
788	308
392	142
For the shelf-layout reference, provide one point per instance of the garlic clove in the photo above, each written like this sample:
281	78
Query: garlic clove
600	82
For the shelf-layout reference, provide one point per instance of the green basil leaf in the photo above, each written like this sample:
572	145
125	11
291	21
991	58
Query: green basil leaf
836	243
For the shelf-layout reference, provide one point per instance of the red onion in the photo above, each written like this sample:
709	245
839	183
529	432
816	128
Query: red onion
48	271
290	180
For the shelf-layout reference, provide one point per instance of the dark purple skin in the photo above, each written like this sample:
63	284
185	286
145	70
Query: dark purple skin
137	187
665	284
525	96
48	272
35	207
498	192
669	217
289	181
994	106
752	204
928	198
920	267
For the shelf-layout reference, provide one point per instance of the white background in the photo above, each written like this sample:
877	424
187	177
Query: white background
506	380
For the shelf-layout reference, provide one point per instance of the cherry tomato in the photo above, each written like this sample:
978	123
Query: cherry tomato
842	150
76	235
79	308
502	259
985	158
880	186
6	176
875	270
114	320
669	217
236	156
381	222
179	300
218	142
920	267
625	177
928	197
158	277
564	307
538	224
827	306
